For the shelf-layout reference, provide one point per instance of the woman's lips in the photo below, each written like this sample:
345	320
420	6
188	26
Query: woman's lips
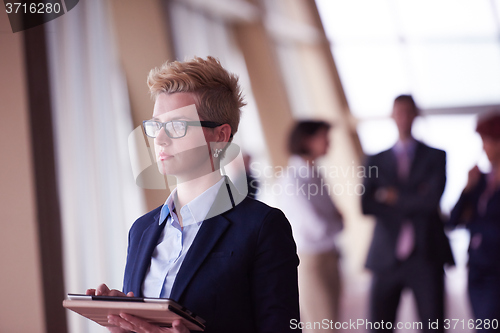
163	157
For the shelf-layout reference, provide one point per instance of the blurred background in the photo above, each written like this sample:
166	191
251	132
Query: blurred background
74	89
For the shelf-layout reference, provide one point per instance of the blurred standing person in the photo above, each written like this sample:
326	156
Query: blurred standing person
315	223
479	209
409	246
252	182
243	178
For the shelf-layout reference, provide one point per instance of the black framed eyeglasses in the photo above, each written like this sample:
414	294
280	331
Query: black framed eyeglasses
175	129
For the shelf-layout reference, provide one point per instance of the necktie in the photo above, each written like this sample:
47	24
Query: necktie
406	241
406	237
403	158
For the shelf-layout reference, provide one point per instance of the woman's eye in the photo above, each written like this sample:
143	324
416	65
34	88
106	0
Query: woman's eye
178	128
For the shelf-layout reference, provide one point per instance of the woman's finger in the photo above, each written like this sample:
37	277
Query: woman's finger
179	327
102	290
139	325
121	323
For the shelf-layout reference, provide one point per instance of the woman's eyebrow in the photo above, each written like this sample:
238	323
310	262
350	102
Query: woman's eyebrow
180	117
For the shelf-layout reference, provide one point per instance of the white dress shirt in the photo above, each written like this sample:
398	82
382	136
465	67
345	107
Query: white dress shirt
314	218
174	242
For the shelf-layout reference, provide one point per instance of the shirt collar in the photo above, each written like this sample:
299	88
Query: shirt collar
407	146
168	206
298	161
194	211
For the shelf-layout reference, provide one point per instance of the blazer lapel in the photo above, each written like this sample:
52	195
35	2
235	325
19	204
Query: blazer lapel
417	158
208	235
148	243
392	165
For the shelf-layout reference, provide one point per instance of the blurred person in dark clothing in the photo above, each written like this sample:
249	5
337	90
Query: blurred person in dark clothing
252	182
479	209
315	221
409	246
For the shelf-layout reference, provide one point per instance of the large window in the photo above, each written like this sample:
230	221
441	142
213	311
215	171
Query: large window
446	53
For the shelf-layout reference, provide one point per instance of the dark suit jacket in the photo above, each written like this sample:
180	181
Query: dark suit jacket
418	202
484	256
240	273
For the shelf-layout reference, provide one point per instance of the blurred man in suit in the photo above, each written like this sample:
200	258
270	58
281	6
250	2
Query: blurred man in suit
409	247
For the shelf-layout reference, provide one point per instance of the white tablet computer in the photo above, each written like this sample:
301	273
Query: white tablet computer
158	311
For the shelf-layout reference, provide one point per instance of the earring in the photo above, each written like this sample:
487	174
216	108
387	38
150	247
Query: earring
217	152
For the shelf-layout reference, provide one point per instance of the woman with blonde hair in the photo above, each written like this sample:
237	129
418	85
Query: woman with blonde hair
228	258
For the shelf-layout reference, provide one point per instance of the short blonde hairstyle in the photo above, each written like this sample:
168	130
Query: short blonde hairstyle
217	92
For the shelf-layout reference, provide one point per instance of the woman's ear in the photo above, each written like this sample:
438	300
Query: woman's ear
223	133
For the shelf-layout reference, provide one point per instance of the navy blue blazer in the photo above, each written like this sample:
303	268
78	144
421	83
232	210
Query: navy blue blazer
240	273
486	226
418	201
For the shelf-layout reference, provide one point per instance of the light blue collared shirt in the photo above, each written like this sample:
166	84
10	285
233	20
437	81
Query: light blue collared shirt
175	241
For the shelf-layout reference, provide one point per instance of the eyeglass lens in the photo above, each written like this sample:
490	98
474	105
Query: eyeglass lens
174	129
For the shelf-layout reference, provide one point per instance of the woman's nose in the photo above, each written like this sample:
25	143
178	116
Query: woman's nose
162	138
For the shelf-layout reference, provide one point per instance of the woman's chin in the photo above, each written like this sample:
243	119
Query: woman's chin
188	171
165	169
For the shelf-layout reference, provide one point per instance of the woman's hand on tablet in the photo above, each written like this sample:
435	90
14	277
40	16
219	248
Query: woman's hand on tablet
103	290
127	323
